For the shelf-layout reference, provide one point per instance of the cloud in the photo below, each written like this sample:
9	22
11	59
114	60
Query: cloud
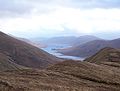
87	4
18	8
59	16
80	21
14	8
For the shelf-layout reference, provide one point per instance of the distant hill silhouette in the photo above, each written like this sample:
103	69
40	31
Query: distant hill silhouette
90	48
60	40
84	39
69	40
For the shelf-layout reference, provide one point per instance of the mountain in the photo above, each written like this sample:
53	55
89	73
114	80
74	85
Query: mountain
69	40
84	39
90	48
93	74
24	54
60	40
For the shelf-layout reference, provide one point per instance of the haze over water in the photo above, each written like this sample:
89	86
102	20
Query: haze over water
52	50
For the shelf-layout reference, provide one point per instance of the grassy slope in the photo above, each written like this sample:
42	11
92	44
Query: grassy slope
105	55
98	77
6	63
66	76
25	54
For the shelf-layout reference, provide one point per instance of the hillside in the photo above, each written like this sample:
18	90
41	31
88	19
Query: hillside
90	48
65	76
24	54
105	55
88	75
6	63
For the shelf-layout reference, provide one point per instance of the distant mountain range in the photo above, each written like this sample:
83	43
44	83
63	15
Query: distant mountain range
69	40
14	52
90	48
60	40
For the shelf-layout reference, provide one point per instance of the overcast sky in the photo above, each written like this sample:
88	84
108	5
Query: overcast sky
46	18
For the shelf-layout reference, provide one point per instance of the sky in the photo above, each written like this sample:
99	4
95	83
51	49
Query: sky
48	18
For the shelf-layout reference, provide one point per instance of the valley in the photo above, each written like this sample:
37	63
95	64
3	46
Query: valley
59	45
52	49
53	45
24	67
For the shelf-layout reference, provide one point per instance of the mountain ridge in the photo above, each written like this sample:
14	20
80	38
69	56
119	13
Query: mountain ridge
90	48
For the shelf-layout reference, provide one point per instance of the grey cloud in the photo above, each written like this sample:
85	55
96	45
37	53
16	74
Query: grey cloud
88	4
13	8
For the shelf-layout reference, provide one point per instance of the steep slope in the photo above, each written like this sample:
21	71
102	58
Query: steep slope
6	63
23	53
90	48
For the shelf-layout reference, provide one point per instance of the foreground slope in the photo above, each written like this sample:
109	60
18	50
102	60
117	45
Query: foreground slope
90	48
67	76
90	76
6	63
23	53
